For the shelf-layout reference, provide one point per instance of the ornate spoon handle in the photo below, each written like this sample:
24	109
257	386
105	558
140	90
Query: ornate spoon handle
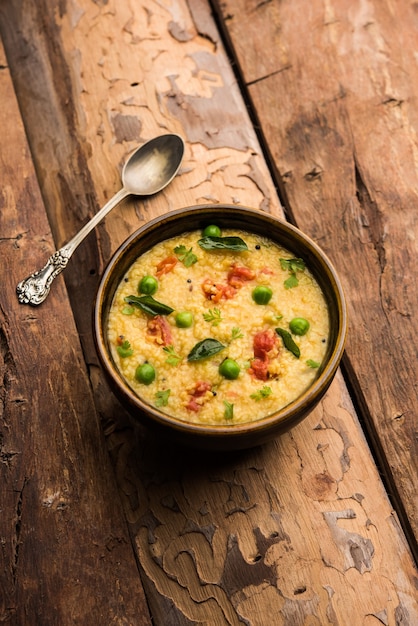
35	288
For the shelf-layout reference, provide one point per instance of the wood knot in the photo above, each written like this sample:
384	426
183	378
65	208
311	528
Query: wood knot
314	174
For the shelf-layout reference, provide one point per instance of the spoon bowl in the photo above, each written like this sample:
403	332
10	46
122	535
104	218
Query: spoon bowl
153	166
148	170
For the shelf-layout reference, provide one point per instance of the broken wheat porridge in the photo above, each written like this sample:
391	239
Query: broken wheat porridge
218	327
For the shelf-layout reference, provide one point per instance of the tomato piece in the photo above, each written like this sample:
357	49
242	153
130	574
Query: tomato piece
266	348
267	271
239	274
160	330
259	369
200	390
264	342
215	291
166	265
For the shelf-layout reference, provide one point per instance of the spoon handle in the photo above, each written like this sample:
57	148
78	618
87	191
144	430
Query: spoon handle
35	288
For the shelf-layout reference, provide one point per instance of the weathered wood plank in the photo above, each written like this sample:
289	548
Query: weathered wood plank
337	105
298	531
66	556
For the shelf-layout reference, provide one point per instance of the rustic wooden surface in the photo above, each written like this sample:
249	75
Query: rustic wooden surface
66	555
337	106
298	532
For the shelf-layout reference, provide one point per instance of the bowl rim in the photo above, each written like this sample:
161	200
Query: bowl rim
307	398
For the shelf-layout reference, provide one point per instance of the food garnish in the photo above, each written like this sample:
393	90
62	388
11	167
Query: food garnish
124	349
187	257
288	342
223	243
161	397
229	410
214	316
204	349
292	266
149	305
313	364
264	392
173	358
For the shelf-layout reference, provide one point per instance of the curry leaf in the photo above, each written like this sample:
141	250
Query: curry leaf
149	305
223	243
289	344
204	349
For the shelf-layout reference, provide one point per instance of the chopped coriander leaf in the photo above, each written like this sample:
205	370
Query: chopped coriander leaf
187	257
292	266
236	333
291	282
229	410
161	397
127	310
124	349
173	358
214	316
264	392
313	364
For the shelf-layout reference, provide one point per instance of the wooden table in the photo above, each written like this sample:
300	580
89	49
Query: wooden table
308	110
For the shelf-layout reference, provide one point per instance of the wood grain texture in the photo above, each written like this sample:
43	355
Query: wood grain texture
66	557
337	105
297	532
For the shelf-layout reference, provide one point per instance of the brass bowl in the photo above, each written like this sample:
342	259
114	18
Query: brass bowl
239	436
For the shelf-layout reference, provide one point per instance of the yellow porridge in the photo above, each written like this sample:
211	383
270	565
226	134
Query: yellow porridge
218	327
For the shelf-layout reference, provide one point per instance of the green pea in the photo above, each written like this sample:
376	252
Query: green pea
211	231
299	326
229	369
262	294
145	374
184	319
148	285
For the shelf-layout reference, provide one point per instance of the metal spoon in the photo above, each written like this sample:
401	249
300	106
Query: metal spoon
148	170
